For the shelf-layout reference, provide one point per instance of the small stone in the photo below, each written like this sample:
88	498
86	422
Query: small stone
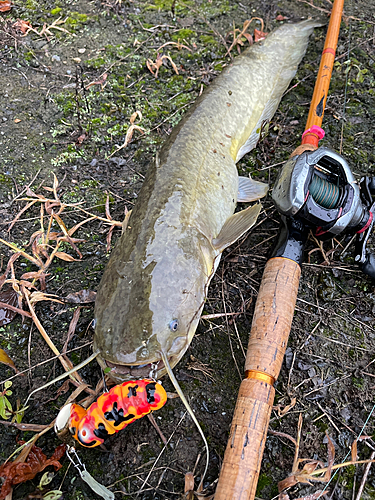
77	60
68	72
81	51
56	58
94	162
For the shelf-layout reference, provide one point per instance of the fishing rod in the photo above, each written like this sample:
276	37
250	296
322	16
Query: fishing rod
314	191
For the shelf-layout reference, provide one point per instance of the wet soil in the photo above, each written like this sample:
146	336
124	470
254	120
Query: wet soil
67	97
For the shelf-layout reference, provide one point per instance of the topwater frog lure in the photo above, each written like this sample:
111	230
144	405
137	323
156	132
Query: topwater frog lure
113	411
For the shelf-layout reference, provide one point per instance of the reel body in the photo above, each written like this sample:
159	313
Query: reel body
317	191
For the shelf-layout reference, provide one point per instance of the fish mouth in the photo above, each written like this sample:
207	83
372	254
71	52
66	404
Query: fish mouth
121	373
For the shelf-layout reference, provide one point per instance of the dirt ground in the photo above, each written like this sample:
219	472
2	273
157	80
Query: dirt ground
69	88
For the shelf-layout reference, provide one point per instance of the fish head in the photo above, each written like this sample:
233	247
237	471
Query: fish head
147	308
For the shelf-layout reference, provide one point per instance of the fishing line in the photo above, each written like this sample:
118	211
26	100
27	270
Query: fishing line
190	411
64	375
349	452
346	87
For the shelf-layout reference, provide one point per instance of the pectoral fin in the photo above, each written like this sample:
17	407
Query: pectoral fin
250	190
236	226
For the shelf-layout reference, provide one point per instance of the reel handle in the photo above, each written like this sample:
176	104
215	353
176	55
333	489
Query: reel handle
270	329
368	267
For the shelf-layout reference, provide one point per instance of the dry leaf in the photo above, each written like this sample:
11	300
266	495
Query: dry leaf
5	5
18	472
23	26
81	297
354	452
259	35
101	81
65	256
189	485
5	359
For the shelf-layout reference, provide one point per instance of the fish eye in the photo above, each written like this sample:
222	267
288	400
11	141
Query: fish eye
173	325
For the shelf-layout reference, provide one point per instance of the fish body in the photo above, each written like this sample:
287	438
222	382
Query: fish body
153	289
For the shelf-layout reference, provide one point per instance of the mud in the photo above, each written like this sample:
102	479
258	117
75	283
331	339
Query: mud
53	120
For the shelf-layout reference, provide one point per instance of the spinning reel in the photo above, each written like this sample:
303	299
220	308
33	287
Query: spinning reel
317	191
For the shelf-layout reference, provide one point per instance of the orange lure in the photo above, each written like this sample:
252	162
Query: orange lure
112	412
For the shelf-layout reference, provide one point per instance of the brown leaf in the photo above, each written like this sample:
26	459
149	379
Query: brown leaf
23	26
65	256
281	18
310	467
18	472
282	411
259	35
354	451
72	328
81	297
331	458
288	482
5	5
134	116
101	81
5	359
81	139
189	485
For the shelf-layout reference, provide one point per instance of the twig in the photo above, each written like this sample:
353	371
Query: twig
364	478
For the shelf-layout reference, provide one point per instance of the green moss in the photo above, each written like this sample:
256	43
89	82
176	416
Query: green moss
5	179
358	383
322	426
207	39
56	11
75	20
96	62
263	481
182	34
347	477
32	5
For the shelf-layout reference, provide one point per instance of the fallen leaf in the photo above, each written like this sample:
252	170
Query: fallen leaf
65	256
101	81
189	485
259	35
81	297
81	139
281	18
23	26
18	472
5	359
5	5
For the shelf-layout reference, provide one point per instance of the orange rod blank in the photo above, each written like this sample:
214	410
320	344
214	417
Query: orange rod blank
318	101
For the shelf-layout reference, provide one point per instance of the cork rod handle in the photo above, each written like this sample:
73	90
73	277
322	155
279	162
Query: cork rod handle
270	329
